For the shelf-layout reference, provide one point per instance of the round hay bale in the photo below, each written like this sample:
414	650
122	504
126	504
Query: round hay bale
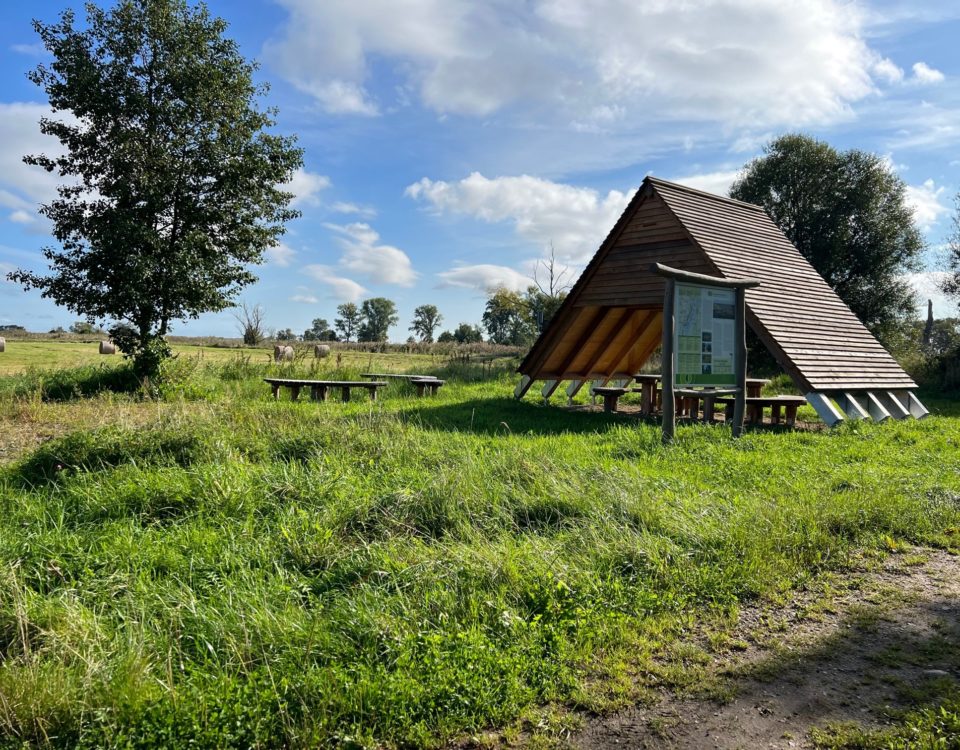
3	343
283	353
108	347
321	351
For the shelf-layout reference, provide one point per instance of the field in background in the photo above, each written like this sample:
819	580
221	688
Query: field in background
216	569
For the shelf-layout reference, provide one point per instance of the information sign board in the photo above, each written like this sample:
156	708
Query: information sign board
704	335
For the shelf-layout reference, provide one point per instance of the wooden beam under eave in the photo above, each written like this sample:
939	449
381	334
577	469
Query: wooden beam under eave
593	323
643	327
648	347
615	330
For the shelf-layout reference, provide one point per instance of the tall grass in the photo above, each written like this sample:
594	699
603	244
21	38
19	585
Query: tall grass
248	573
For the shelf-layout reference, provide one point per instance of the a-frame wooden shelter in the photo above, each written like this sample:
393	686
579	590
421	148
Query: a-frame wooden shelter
611	321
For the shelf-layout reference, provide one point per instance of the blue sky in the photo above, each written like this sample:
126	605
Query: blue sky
449	143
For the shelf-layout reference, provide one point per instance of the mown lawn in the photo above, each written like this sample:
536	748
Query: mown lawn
220	570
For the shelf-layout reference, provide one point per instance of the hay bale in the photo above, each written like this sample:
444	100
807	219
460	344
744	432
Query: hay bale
108	347
282	353
3	343
321	351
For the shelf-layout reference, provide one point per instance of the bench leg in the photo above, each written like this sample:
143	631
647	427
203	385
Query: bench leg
276	391
373	394
294	392
791	415
708	408
322	393
756	414
728	412
646	399
775	414
345	394
420	389
610	402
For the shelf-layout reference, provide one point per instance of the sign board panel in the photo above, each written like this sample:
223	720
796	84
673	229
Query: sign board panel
704	335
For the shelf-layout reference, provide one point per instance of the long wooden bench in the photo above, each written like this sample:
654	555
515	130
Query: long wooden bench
394	376
425	384
756	405
610	395
320	388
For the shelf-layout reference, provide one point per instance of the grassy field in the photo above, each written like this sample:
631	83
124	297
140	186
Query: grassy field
216	569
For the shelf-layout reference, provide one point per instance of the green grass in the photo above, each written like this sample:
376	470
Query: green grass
222	570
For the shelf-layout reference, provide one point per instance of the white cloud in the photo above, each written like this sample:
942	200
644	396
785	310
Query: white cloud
927	286
485	278
6	268
594	62
341	289
717	183
923	73
362	254
23	187
574	219
342	207
306	187
281	255
22	217
926	204
307	299
887	70
30	50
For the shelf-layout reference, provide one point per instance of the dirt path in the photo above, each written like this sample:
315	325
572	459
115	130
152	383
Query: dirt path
892	640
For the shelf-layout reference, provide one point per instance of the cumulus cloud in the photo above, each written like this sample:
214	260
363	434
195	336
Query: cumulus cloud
23	187
757	62
306	188
717	183
574	219
363	254
925	200
343	207
281	255
484	277
341	288
307	299
928	285
923	73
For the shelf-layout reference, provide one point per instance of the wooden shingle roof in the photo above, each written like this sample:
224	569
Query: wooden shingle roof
610	324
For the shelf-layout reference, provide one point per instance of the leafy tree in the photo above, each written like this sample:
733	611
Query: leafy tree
847	214
426	320
285	334
173	178
446	338
951	284
507	319
378	314
319	331
467	334
348	324
542	306
84	327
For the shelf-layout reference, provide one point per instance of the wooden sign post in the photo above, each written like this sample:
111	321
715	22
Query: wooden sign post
713	339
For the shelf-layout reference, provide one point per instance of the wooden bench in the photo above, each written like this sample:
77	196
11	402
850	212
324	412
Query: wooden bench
427	385
319	388
423	383
688	400
610	396
756	405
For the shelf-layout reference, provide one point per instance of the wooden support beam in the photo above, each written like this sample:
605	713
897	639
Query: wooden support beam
624	315
878	412
522	387
669	418
917	409
632	340
573	389
825	408
892	403
592	324
548	388
852	407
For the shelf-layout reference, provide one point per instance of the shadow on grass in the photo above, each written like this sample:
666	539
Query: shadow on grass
498	416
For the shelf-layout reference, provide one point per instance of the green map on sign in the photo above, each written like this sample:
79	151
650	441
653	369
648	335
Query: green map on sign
704	335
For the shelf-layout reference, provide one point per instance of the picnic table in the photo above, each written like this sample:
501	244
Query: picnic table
651	395
319	388
756	405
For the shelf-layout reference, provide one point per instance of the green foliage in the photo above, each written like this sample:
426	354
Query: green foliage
507	319
348	322
320	330
83	327
426	320
174	176
285	334
377	314
952	284
848	215
467	334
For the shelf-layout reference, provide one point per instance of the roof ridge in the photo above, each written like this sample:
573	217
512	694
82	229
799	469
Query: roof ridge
702	193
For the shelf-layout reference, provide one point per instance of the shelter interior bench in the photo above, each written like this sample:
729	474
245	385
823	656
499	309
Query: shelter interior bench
652	395
776	404
425	384
320	388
